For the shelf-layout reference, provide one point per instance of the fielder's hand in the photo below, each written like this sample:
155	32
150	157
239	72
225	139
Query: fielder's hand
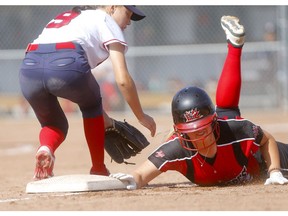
276	178
125	178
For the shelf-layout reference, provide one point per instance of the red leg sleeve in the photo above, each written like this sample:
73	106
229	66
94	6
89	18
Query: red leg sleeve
95	135
51	137
229	84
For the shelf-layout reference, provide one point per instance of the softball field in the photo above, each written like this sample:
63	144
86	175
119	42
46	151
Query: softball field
169	192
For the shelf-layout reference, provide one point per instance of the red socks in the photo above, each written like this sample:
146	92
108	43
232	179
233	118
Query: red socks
229	84
95	135
51	137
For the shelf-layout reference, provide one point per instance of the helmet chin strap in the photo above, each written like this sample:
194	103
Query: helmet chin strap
194	147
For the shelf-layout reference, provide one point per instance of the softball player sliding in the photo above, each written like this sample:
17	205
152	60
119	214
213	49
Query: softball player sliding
58	64
215	146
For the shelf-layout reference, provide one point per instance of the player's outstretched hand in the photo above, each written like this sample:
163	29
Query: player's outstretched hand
276	178
125	178
148	122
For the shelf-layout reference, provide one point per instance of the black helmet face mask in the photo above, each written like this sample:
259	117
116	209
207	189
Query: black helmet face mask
194	119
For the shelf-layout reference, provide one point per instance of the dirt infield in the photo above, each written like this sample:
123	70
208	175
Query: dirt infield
169	192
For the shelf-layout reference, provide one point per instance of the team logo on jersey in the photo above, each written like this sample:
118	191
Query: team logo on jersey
159	154
192	115
255	131
242	177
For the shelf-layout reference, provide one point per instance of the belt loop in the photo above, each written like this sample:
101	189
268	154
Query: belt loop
28	47
31	47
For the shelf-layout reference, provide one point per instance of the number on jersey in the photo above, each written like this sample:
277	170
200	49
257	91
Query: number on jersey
62	19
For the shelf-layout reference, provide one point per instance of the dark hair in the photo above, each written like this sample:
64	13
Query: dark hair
78	9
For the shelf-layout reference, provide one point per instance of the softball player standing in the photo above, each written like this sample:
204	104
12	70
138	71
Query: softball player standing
58	64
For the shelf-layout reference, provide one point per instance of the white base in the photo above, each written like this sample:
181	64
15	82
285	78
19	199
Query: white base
74	183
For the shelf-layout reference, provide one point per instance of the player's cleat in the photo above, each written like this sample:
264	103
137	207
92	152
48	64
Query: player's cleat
44	163
235	33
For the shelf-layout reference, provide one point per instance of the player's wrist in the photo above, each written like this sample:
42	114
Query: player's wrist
273	169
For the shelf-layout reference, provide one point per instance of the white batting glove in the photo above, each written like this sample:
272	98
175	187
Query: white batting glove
276	178
125	178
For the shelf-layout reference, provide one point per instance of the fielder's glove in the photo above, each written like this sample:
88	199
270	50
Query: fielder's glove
276	178
123	141
127	179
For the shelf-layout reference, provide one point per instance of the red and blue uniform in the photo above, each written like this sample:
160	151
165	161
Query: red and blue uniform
58	63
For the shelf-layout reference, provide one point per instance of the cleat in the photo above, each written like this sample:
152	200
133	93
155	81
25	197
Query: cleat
44	163
235	33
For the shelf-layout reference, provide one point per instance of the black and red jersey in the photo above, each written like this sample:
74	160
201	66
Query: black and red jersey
234	162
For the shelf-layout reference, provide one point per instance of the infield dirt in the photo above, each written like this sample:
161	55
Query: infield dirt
169	192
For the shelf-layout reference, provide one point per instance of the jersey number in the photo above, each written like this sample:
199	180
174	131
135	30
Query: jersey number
62	19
